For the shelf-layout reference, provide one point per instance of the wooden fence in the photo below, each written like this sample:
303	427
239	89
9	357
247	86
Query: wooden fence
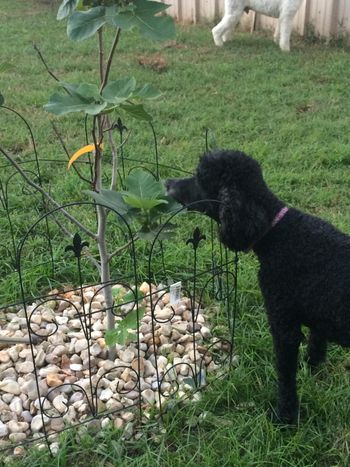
328	18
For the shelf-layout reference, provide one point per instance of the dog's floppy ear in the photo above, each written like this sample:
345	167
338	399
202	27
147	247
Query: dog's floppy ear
242	222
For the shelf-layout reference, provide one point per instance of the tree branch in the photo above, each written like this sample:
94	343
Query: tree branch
44	63
67	153
114	158
96	183
93	260
122	248
110	58
47	196
100	53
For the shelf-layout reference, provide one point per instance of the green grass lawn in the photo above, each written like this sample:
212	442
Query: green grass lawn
289	111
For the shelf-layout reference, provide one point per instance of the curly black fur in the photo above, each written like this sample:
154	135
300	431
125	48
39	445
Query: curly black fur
304	261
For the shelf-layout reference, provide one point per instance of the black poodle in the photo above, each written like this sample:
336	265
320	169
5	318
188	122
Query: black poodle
304	261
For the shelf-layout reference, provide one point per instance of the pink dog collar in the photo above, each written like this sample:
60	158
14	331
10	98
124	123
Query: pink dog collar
279	216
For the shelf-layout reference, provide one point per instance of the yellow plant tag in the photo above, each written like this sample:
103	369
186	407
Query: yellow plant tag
81	152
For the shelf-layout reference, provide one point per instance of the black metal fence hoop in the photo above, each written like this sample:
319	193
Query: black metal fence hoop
164	376
182	210
62	207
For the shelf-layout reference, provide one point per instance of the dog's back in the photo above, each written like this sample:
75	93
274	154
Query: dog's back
305	266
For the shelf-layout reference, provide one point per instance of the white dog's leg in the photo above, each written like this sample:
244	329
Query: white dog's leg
228	35
223	31
276	36
286	24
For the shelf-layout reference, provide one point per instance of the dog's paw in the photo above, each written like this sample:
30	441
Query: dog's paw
314	365
217	39
284	417
314	368
227	37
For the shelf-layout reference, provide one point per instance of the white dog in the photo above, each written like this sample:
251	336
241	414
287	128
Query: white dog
284	10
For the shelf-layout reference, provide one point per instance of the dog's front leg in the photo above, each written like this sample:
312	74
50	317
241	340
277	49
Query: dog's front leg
286	344
276	36
224	30
285	30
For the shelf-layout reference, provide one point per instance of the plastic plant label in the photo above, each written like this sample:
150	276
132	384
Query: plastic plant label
175	293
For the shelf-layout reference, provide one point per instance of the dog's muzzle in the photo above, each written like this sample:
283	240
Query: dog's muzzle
170	187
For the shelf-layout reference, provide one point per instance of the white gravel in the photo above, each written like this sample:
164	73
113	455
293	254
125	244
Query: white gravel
62	364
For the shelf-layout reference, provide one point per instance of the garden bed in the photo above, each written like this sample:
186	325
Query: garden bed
168	357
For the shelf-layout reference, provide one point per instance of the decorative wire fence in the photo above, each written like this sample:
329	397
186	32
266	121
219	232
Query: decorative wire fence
176	320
